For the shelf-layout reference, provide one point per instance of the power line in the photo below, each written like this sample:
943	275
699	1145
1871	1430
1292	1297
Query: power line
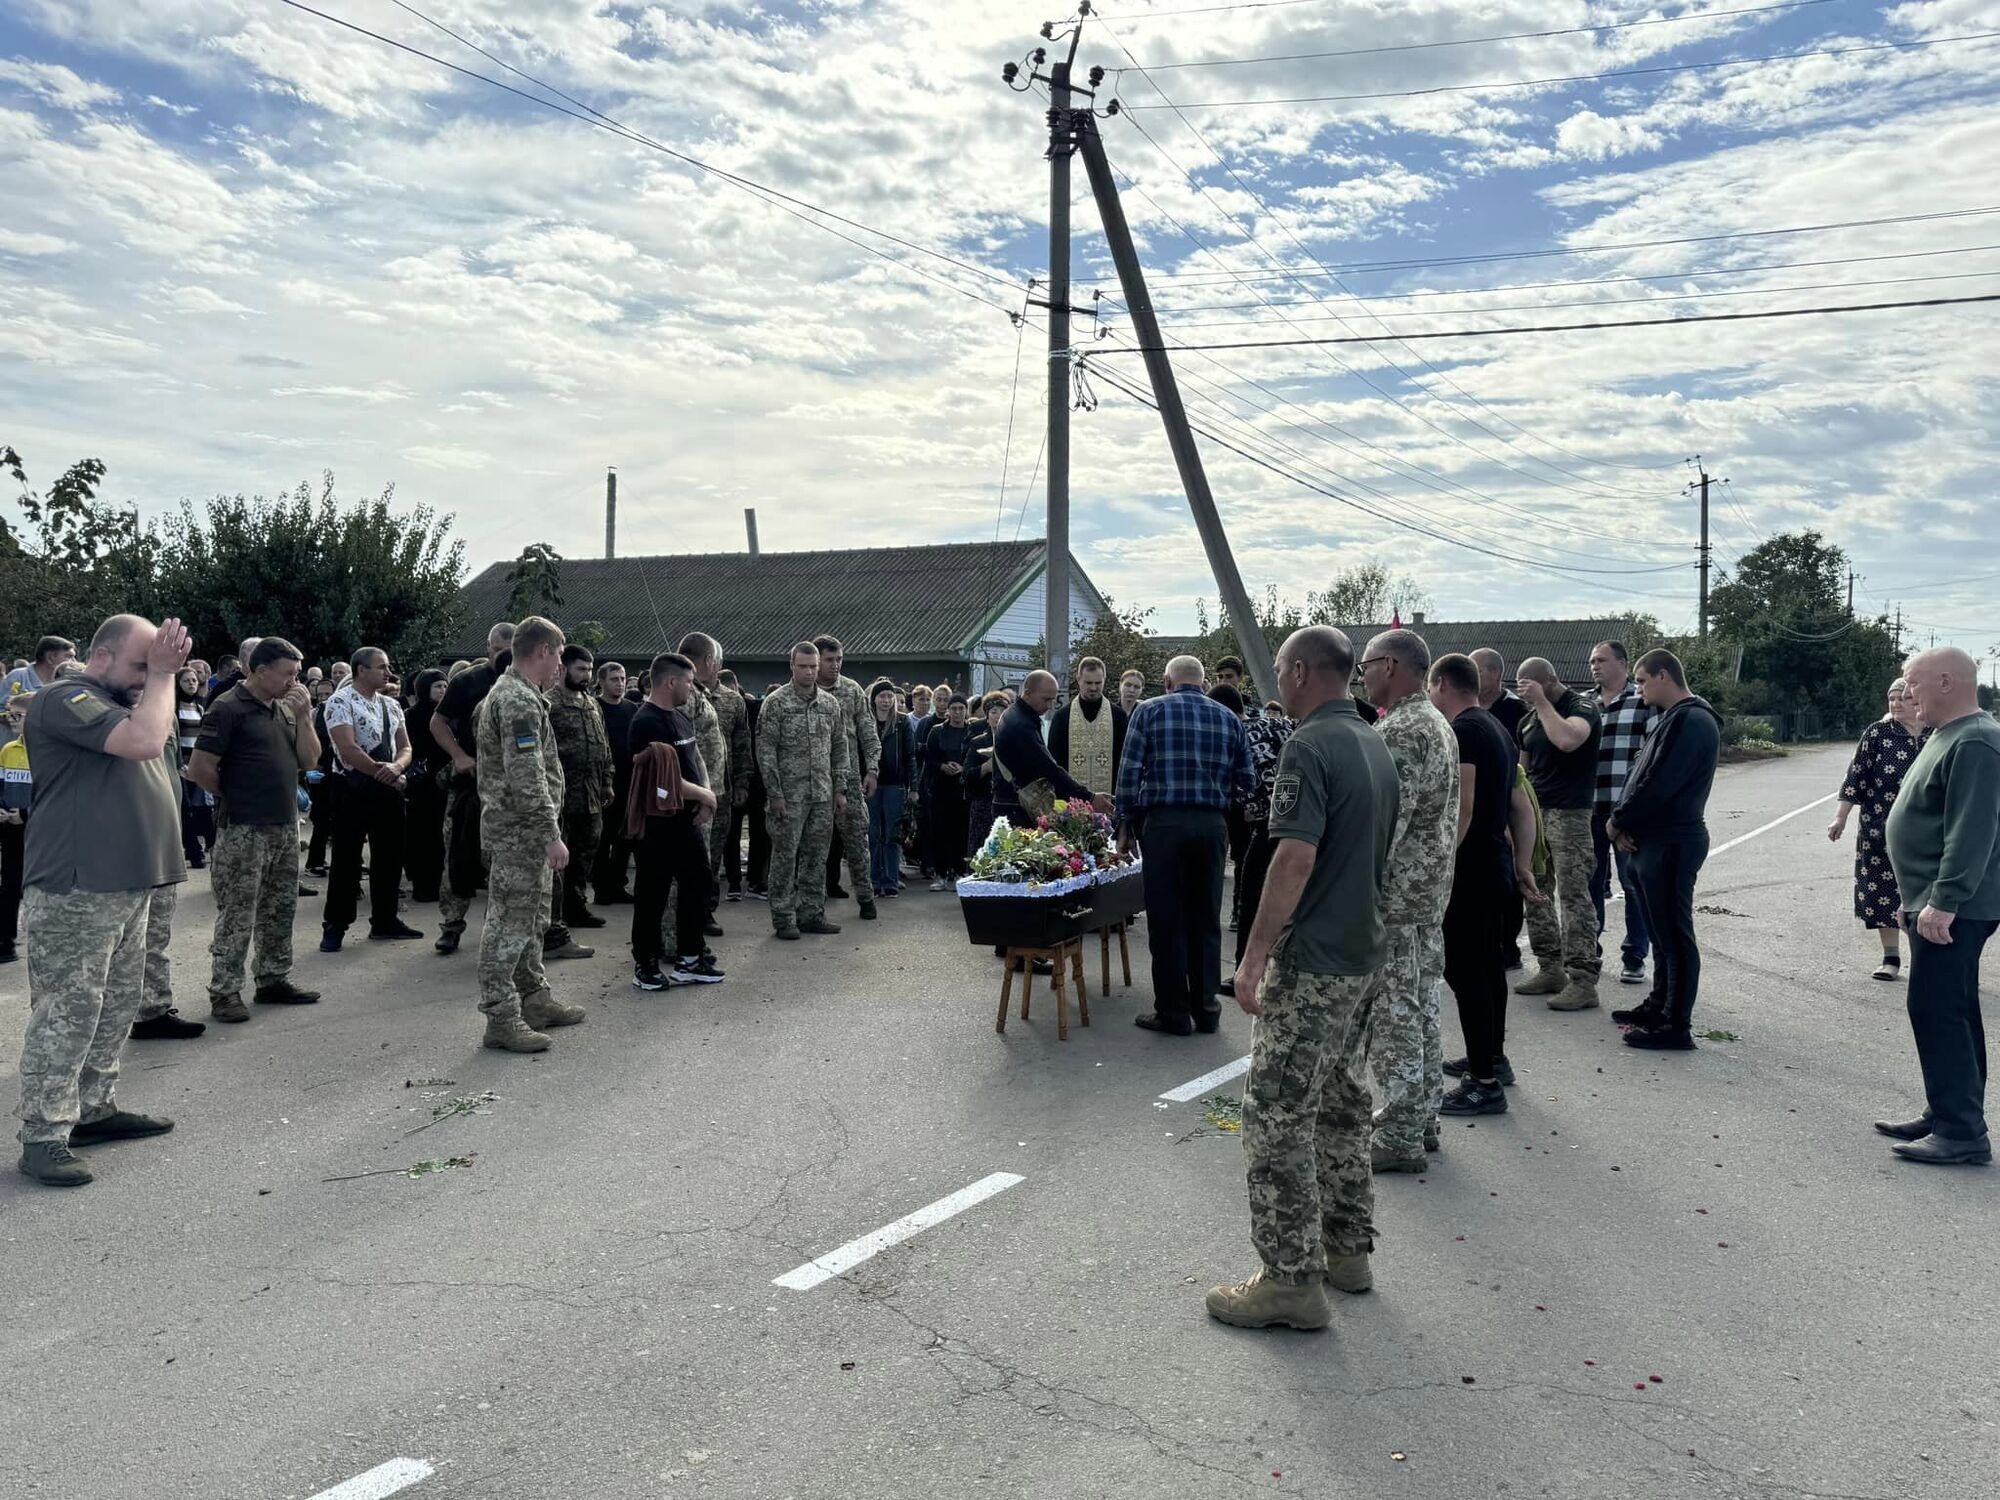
1472	41
1440	375
1206	10
601	121
1532	83
1654	301
1007	453
1580	281
1357	268
1477	333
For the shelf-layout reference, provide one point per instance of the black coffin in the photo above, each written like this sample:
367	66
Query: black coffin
1045	921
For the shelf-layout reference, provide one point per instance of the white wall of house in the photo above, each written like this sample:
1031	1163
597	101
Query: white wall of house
1005	653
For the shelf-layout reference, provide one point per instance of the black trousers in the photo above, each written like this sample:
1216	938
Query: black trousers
673	852
758	872
13	840
197	828
1951	1036
1251	869
950	828
1664	871
325	797
365	810
423	837
1475	966
1186	850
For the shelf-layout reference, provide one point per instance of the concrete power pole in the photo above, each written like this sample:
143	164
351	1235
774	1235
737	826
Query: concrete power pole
1055	574
1701	484
610	513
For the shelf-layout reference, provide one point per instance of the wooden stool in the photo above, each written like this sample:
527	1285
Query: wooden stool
1066	959
1104	953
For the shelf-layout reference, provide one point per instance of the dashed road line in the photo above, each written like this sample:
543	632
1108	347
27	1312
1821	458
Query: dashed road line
1194	1088
382	1480
835	1262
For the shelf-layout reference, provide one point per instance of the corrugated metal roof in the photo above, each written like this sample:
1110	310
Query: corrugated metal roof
1566	643
882	602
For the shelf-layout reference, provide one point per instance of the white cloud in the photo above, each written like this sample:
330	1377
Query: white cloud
60	86
201	299
17	242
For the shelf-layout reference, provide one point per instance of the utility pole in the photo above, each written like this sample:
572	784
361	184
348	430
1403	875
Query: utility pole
1055	571
1702	484
1850	593
1899	630
610	513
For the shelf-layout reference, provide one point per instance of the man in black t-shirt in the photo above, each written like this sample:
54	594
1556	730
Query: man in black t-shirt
1559	737
1475	923
674	849
451	728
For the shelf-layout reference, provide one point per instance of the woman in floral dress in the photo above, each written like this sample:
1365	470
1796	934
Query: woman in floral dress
1887	749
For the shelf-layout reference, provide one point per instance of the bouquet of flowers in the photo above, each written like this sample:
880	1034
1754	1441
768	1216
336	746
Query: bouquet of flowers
1027	856
1081	827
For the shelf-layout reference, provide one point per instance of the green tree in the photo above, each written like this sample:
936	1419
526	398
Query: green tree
1119	638
536	581
589	634
1365	595
74	561
327	575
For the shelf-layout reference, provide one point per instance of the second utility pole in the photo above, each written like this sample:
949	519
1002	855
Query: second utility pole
1055	572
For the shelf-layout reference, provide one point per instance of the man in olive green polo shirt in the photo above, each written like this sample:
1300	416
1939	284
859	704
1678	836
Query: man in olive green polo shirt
1305	972
1944	843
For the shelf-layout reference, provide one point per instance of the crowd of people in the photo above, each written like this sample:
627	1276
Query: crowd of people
1395	822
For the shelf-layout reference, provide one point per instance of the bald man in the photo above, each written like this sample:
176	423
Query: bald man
1026	778
1944	844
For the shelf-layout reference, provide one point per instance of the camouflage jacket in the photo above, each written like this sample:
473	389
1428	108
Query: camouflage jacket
584	747
802	749
520	773
1421	853
735	716
712	739
863	738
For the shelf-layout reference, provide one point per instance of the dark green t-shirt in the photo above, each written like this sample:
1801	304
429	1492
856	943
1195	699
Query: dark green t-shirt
258	767
101	823
1336	790
1564	780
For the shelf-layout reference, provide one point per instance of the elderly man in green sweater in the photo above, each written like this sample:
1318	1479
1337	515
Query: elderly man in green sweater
1944	842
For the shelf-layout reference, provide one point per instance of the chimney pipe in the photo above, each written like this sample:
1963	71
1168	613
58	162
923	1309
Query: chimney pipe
750	526
1416	617
610	513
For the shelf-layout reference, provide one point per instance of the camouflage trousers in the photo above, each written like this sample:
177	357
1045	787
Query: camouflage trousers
86	976
158	990
853	826
1564	932
519	884
464	857
1306	1120
718	832
1405	1049
797	877
255	874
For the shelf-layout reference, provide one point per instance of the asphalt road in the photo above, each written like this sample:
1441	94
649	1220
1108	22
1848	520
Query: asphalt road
589	1308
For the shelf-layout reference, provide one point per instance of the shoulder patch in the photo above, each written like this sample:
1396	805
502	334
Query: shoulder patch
87	707
527	734
1285	795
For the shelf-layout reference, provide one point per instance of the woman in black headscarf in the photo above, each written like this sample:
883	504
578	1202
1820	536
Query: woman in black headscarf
423	838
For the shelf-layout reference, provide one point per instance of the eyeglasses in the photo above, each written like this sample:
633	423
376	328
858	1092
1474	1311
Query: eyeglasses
1374	659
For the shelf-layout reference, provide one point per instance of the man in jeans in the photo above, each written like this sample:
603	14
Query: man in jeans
254	740
1626	719
1944	843
1559	735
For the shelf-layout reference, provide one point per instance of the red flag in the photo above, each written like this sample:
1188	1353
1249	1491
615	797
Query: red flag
1395	617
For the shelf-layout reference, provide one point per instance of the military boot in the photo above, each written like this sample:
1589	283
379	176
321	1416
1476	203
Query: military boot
1548	980
819	925
119	1125
1431	1141
867	909
1261	1303
53	1163
1349	1273
788	931
1579	994
1382	1159
512	1034
542	1010
228	1008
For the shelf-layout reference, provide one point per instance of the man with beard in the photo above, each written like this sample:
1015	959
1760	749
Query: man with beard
1087	734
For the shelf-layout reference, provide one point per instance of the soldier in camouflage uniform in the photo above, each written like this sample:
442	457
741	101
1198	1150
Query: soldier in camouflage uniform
1307	973
520	826
105	833
1563	931
803	756
730	768
864	752
1406	1050
584	747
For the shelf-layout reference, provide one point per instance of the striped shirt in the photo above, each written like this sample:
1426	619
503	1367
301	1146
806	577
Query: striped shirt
1183	749
1626	719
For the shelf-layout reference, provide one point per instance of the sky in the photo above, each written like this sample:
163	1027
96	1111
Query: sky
243	244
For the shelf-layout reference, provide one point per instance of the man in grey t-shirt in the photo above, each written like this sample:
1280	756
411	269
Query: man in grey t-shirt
1318	939
105	834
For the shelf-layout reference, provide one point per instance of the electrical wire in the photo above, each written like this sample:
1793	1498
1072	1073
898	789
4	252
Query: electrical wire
1358	268
1477	333
1029	493
1475	41
1656	70
1007	452
598	120
1206	10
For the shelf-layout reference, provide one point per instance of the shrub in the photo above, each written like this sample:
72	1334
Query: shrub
1739	730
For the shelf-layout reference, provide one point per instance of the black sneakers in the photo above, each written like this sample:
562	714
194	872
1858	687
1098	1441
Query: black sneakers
1474	1098
392	930
1660	1038
1648	1014
119	1125
1503	1070
284	992
698	970
648	977
447	942
167	1028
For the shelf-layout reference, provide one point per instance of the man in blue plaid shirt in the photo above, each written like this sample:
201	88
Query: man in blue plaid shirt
1186	759
1626	718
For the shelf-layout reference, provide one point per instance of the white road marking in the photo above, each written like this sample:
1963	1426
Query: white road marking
383	1479
1744	838
854	1252
1195	1088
